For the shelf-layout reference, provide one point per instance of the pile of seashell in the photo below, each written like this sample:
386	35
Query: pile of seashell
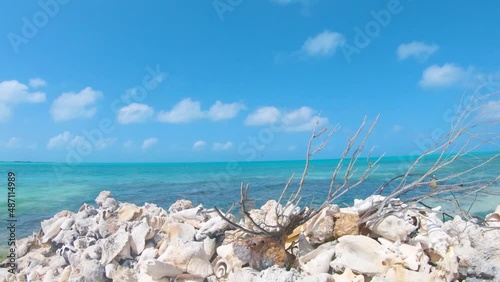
120	241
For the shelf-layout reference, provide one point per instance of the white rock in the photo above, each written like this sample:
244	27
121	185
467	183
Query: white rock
101	198
320	277
179	231
190	257
138	237
348	276
318	261
214	226
53	230
113	245
392	227
432	236
361	254
194	214
228	261
180	205
128	212
158	269
110	268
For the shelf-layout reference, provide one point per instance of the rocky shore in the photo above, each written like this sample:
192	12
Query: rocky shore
118	241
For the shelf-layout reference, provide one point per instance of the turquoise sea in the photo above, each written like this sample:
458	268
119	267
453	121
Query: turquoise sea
43	189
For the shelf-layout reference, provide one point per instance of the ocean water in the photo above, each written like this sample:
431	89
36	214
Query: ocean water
43	189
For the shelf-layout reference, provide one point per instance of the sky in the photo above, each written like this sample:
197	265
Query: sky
222	80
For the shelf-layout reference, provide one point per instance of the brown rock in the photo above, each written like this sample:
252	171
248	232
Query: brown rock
345	224
261	252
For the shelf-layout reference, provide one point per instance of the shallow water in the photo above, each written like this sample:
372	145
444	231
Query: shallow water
43	189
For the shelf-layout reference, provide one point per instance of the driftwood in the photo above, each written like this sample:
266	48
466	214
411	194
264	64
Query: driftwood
263	244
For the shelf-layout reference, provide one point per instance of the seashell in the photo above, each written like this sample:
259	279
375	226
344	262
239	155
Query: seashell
213	227
158	221
162	246
209	246
188	278
158	269
83	242
410	255
228	262
89	270
148	253
93	252
123	274
392	227
138	237
189	214
110	204
86	227
178	231
361	207
190	257
399	273
432	236
128	212
68	223
321	277
493	219
319	229
243	274
180	205
361	254
54	229
66	237
101	198
110	268
113	245
125	253
318	261
24	245
349	276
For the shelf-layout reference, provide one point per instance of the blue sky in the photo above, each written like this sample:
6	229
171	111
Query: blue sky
234	80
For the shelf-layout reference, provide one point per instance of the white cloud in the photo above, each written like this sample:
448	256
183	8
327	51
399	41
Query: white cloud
188	110
491	110
222	146
148	143
60	140
37	82
302	119
323	44
68	139
12	93
263	116
185	111
221	111
13	143
444	76
134	113
418	50
17	143
72	105
199	145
